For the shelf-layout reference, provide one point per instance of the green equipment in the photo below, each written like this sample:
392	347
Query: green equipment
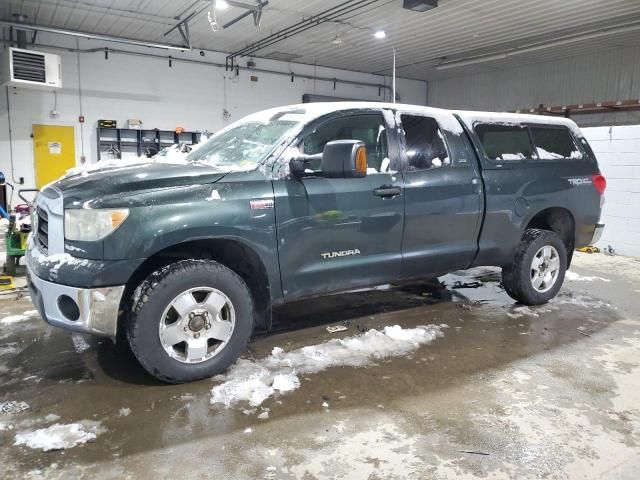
17	231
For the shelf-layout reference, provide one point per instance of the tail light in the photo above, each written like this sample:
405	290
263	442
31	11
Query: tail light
599	183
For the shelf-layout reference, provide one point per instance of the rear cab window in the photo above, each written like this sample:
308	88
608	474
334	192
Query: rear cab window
504	143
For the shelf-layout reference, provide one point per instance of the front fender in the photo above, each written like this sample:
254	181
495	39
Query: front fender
221	211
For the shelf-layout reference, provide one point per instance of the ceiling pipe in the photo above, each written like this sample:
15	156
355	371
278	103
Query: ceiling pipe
347	7
91	36
379	86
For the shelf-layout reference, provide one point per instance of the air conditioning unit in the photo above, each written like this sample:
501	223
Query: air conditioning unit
31	69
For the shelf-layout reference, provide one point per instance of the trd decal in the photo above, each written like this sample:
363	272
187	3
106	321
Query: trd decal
576	182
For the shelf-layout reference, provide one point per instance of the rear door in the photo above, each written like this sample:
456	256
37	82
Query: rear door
340	233
527	168
443	198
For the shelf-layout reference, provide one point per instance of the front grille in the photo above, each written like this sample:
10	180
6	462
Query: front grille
29	66
43	230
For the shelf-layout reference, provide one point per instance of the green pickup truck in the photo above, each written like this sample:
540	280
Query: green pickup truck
189	258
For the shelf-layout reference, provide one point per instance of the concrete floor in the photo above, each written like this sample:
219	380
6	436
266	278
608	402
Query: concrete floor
506	392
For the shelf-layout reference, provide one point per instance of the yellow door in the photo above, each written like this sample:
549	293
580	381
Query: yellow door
54	152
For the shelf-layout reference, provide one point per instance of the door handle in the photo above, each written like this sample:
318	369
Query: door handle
476	185
386	191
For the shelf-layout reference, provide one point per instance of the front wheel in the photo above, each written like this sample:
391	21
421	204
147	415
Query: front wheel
538	268
190	320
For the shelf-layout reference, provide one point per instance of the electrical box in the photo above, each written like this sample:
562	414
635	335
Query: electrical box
31	69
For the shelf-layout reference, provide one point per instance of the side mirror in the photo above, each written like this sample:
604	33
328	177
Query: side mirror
344	159
298	165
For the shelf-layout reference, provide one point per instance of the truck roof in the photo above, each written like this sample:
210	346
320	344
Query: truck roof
309	111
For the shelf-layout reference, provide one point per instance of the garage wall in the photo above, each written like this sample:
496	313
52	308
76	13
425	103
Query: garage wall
189	95
601	76
618	153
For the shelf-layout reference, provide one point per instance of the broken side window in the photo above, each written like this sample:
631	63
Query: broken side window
554	143
425	143
505	142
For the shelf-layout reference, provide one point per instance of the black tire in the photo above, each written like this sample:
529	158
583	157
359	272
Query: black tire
154	295
516	278
10	265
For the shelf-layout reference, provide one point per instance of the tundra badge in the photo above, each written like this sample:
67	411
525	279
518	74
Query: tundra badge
342	253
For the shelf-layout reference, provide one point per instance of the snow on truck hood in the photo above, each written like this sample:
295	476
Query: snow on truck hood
134	177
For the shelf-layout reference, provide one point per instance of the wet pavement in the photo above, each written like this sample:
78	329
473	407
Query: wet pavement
506	392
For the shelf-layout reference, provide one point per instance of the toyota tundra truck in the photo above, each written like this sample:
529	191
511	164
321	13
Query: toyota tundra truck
188	259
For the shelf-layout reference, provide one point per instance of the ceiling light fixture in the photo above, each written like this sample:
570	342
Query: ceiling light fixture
540	46
380	34
221	4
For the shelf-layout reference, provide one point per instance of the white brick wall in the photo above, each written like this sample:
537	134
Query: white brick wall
618	153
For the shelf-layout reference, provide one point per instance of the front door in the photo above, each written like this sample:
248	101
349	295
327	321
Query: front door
443	199
54	152
340	233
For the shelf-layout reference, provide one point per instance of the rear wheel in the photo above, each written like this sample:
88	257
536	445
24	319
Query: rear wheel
538	268
190	320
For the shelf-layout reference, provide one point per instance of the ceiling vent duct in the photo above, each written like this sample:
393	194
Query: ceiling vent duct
420	5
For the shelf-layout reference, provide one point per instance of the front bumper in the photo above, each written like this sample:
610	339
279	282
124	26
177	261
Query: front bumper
98	307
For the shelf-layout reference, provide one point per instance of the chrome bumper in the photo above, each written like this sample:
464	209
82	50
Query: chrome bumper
98	307
597	233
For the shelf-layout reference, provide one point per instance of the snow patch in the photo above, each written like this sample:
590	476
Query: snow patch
580	301
9	349
215	195
59	436
28	315
55	261
254	381
575	277
71	248
79	343
124	412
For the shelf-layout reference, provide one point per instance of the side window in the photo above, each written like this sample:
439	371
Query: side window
426	147
368	128
505	142
554	143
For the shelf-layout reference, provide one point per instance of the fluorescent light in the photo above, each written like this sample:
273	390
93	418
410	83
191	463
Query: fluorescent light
471	61
540	46
380	34
221	4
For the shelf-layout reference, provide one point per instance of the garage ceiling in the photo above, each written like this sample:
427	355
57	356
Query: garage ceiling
470	35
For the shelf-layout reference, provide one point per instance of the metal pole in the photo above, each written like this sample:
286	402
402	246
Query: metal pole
394	75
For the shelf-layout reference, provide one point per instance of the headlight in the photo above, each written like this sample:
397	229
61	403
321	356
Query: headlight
88	225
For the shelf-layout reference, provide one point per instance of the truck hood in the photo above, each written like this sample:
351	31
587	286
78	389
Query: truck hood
130	179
